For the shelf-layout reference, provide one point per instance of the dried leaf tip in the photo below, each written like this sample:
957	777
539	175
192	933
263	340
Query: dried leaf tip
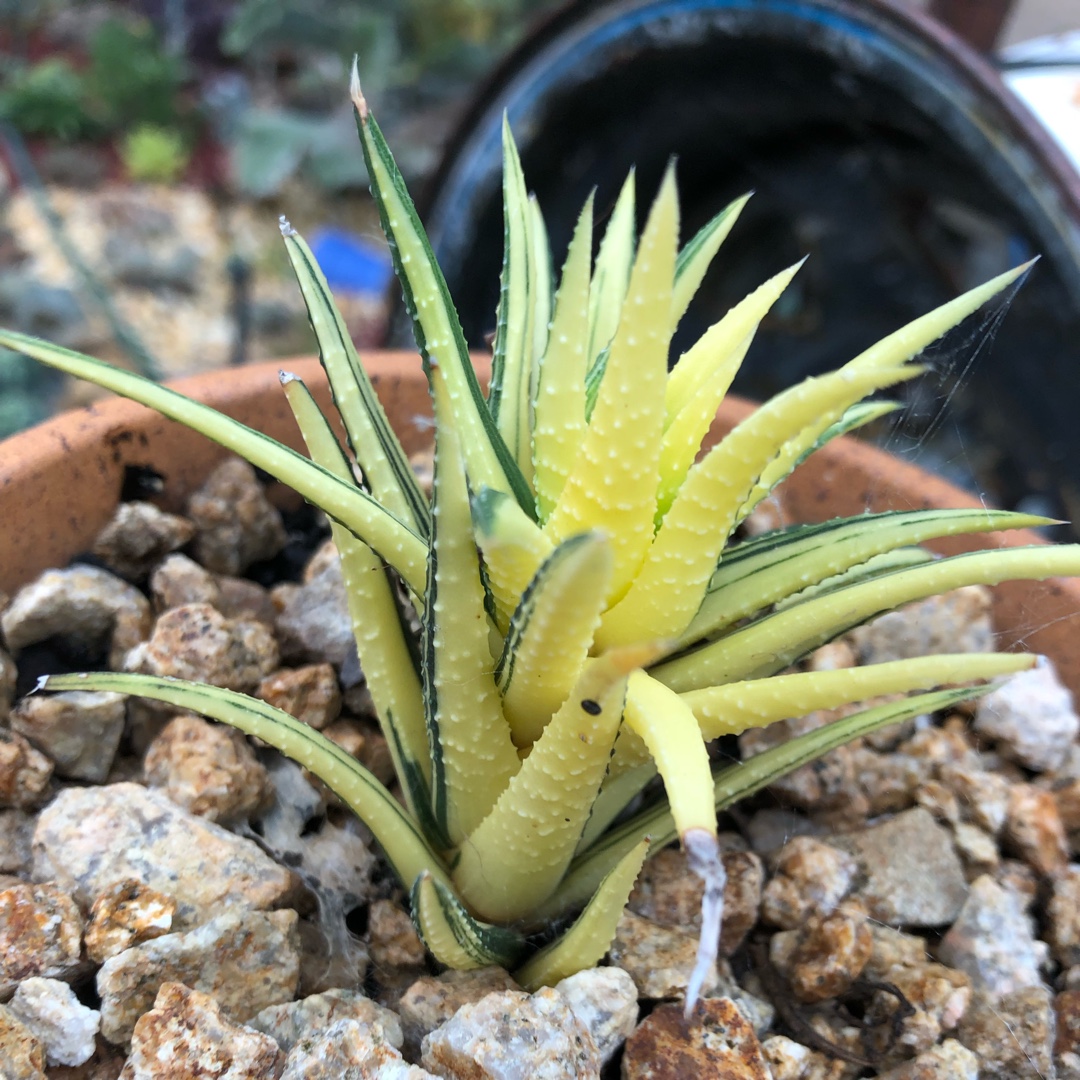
286	377
356	93
285	227
703	855
41	684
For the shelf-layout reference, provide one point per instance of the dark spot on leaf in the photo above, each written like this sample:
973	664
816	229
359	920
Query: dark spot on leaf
591	707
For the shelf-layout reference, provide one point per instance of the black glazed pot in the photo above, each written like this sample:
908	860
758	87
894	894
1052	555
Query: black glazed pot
874	140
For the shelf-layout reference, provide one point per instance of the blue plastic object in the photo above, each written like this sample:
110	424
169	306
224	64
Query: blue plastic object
352	263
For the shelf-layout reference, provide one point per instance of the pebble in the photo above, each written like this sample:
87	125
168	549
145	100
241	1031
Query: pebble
313	622
310	693
51	1011
1033	829
40	934
958	621
910	872
352	1050
124	915
658	958
294	1021
511	1035
1067	1033
983	797
149	838
809	877
604	999
978	850
939	996
392	939
196	642
79	731
994	941
716	1042
432	1000
363	741
188	1034
234	521
888	783
138	537
668	893
246	960
16	832
208	769
789	1060
772	827
22	1054
1063	916
95	611
1032	718
244	599
8	675
179	581
1013	1035
949	1061
24	772
826	955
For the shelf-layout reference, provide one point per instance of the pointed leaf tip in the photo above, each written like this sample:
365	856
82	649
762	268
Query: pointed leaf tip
357	95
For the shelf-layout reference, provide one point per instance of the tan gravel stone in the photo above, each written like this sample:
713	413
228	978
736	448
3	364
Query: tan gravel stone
1013	1035
208	769
78	731
196	642
16	832
180	581
293	1021
349	1049
90	607
188	1034
983	797
716	1042
789	1060
8	676
1033	829
392	939
126	914
40	934
246	960
22	1054
244	599
149	838
658	958
309	693
911	874
949	1061
668	893
24	772
511	1035
235	523
826	955
432	1000
604	999
138	537
809	876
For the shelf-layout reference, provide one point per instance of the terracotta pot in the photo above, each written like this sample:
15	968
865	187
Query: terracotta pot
60	481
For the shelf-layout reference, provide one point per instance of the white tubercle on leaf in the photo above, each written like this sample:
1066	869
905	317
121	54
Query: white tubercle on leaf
703	854
285	226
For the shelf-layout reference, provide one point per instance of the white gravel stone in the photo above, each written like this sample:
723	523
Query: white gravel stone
1032	718
513	1036
51	1011
350	1049
605	1001
994	941
78	730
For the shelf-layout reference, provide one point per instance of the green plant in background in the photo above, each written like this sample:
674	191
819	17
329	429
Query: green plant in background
47	98
154	155
587	621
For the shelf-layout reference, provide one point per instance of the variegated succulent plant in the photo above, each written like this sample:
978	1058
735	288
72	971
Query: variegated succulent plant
587	624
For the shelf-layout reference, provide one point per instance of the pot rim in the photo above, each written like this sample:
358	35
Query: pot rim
60	480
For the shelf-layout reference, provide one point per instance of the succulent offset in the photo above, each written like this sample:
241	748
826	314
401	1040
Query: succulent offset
588	623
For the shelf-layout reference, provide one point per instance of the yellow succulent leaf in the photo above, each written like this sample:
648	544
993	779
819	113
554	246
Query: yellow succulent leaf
612	272
559	407
586	942
716	346
731	709
517	855
613	484
551	632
